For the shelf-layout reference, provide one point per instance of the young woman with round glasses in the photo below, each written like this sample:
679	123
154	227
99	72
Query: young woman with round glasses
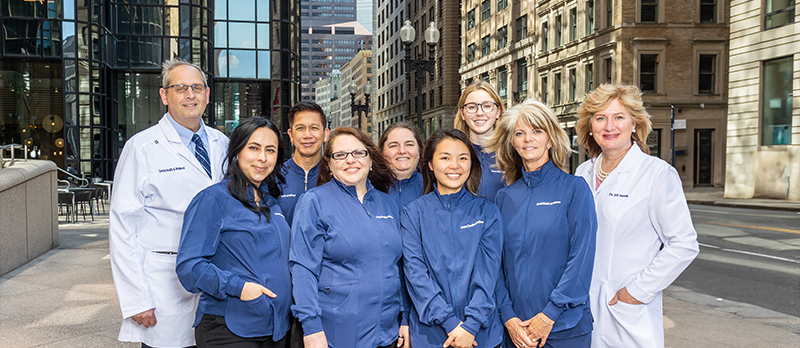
479	109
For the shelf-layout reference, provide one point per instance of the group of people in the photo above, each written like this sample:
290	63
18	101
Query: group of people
477	237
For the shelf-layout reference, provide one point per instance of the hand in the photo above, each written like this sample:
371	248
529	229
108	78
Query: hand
315	340
146	318
624	296
460	338
517	333
404	339
538	328
252	291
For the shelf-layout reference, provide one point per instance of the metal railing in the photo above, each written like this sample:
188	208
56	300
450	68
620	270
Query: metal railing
11	147
83	181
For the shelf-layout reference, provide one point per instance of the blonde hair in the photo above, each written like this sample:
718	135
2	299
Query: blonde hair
458	122
537	116
629	97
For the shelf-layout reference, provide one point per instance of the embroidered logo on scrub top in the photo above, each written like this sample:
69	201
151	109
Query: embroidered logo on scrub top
288	195
620	195
166	170
384	217
281	215
549	203
476	223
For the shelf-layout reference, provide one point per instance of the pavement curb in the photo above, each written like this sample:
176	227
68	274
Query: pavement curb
744	204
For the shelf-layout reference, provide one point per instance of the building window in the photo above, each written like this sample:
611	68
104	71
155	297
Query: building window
558	88
708	74
589	78
485	77
649	11
708	11
544	89
573	18
522	79
648	68
471	53
607	64
778	13
486	46
590	17
502	37
609	13
470	19
502	82
559	31
501	5
545	37
522	27
486	10
776	102
573	90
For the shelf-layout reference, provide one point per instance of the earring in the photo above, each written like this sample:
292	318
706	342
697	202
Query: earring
634	130
548	147
590	133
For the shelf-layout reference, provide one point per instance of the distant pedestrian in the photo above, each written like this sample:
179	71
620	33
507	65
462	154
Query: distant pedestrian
645	236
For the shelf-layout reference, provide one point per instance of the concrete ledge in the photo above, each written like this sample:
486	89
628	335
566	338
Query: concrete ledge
28	212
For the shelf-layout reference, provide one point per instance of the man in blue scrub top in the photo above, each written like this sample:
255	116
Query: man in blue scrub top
308	131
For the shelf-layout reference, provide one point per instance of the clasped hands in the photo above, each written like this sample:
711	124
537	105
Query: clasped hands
530	332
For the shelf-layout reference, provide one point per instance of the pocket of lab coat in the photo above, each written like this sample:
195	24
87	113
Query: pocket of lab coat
632	323
169	295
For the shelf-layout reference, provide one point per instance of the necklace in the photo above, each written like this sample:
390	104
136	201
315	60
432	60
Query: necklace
601	175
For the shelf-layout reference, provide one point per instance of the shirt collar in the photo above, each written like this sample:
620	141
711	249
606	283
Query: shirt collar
186	134
535	177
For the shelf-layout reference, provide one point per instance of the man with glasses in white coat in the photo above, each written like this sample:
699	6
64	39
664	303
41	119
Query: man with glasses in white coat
159	171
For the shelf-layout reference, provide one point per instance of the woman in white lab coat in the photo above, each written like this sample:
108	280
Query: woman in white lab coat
645	236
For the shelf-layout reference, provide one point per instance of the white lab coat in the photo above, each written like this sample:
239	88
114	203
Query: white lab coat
156	178
640	207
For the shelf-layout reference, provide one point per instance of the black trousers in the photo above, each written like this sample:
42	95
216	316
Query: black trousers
212	332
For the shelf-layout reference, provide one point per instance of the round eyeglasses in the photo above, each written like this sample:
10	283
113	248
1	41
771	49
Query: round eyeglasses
487	107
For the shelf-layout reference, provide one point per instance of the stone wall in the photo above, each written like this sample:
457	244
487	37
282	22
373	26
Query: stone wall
28	212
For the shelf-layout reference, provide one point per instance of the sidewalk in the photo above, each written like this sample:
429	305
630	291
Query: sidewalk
715	196
66	298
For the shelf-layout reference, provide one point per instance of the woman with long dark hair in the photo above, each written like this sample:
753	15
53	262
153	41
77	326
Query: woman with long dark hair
234	247
452	239
346	250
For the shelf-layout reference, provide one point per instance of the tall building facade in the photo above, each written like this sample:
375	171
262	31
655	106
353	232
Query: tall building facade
356	72
763	143
390	82
331	35
561	50
78	78
438	96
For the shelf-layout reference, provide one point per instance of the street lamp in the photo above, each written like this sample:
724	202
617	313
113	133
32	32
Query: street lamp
407	36
358	108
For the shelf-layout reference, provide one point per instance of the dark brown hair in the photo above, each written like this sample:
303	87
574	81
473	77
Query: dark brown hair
406	125
380	175
474	179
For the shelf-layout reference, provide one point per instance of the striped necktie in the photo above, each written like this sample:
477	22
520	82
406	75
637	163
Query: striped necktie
201	154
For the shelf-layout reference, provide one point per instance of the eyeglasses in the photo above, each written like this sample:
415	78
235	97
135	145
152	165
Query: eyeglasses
487	107
196	88
341	155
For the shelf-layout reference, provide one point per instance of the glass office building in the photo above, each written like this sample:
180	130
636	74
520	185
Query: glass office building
80	77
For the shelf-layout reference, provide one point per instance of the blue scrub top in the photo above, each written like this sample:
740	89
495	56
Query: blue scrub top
451	249
223	245
345	263
550	222
407	190
297	182
491	176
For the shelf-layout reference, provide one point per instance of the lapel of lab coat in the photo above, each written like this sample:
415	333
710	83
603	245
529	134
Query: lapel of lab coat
175	142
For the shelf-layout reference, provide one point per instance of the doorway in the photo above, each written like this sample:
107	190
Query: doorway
703	157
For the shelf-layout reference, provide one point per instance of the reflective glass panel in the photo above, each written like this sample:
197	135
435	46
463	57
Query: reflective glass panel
221	34
244	35
243	10
242	63
263	36
264	64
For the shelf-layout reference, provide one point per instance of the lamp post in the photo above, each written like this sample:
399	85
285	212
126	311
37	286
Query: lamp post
419	65
358	108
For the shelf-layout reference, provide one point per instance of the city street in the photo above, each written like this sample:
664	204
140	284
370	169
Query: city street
747	255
